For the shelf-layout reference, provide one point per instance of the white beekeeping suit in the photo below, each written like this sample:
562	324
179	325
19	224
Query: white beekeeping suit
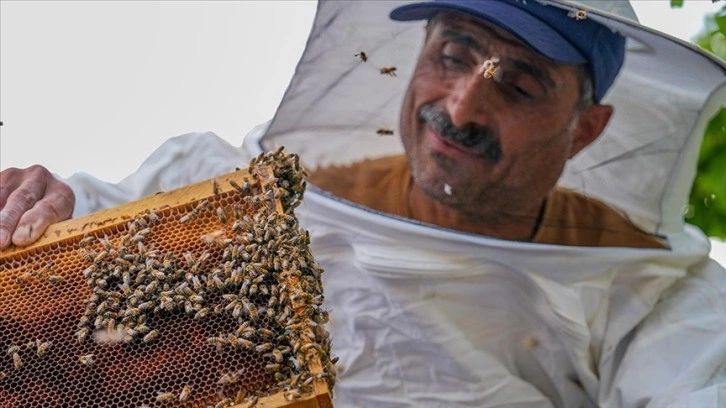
423	316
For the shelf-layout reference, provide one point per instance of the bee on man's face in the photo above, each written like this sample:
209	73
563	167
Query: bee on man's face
390	71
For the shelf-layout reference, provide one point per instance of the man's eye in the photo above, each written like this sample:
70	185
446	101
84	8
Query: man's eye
451	61
522	92
454	56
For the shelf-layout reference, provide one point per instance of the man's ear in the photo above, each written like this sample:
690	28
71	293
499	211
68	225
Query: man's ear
590	125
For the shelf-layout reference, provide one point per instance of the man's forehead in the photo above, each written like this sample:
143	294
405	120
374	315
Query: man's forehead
477	26
481	33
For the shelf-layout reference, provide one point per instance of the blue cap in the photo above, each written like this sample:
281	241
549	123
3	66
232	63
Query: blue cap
546	29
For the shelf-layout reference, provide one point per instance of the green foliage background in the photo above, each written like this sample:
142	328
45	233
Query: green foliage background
707	203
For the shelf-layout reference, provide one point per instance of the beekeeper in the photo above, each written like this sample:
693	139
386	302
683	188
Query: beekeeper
459	269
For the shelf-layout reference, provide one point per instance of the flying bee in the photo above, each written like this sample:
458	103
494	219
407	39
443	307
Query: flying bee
86	359
185	392
150	336
384	131
390	71
42	347
577	14
362	56
165	397
17	361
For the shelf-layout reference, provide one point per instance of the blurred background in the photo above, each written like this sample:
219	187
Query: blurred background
97	86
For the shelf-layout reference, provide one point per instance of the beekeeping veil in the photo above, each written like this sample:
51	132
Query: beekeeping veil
644	164
427	316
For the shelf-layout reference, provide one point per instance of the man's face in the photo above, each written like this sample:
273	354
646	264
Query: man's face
499	144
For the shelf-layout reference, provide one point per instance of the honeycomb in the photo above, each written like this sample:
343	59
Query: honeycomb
205	296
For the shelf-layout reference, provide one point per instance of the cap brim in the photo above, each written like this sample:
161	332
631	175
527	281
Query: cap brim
540	37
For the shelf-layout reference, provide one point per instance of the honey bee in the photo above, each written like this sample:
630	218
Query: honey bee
55	279
86	359
215	188
17	361
264	347
577	14
252	401
272	367
277	355
42	347
185	392
390	71
221	215
86	241
150	336
491	69
245	344
384	131
23	278
83	334
2	375
185	218
217	341
362	56
201	313
530	342
292	394
165	397
228	378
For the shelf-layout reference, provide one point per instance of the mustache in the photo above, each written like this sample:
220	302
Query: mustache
482	139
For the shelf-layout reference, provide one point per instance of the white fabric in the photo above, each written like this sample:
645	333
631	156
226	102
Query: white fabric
426	317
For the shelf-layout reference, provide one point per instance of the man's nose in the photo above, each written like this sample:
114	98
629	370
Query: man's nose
467	101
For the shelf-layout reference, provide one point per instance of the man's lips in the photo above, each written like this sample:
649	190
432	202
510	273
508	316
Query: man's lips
448	146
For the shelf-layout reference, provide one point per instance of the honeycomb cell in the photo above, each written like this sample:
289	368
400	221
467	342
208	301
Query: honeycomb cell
185	302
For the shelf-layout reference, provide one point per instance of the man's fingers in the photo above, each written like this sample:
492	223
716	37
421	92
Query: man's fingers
19	201
10	179
20	191
56	206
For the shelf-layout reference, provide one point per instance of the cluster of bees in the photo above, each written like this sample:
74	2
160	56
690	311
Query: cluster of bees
255	268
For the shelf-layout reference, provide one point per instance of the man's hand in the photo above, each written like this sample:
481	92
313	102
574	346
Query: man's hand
30	200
